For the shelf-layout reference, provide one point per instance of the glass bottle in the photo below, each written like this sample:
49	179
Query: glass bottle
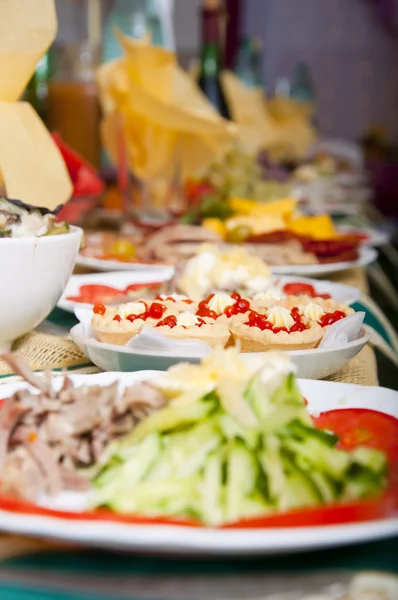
212	56
73	105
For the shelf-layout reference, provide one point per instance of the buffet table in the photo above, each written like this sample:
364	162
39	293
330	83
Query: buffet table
22	560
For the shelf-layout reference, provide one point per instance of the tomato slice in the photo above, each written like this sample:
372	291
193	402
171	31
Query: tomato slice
297	289
96	294
362	427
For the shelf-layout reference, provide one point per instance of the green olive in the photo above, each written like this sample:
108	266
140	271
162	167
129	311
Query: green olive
239	234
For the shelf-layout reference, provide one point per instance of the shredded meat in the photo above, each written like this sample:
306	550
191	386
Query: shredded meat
46	438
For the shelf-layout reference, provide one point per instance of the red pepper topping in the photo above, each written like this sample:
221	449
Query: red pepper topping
236	296
131	318
99	309
117	318
330	318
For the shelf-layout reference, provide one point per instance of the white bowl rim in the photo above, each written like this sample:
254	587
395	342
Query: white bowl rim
46	239
83	340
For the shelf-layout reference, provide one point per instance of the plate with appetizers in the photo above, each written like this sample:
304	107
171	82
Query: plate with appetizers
219	458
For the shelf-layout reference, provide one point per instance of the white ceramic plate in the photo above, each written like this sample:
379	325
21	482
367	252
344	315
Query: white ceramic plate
311	364
120	280
174	539
367	255
375	237
99	264
117	279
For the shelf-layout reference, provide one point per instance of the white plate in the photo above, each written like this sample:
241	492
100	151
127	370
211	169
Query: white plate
118	279
99	264
338	291
367	255
311	364
174	539
376	237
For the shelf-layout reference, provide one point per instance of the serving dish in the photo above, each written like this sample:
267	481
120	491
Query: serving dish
367	256
313	364
65	518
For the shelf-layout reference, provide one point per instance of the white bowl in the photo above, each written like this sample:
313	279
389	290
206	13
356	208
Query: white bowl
33	275
311	364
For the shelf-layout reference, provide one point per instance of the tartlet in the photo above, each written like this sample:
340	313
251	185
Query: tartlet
118	324
277	329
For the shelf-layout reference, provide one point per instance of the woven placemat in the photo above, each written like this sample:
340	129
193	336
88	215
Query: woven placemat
44	351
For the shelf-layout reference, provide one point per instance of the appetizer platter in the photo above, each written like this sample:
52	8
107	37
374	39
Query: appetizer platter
284	252
307	465
321	334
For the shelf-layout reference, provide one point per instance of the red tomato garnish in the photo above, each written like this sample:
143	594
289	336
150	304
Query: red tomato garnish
361	426
99	309
324	296
278	329
298	289
330	318
156	310
236	296
117	318
131	318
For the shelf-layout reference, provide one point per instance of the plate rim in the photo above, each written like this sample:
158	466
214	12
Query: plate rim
367	255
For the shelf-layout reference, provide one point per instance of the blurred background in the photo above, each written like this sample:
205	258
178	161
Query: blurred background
350	47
